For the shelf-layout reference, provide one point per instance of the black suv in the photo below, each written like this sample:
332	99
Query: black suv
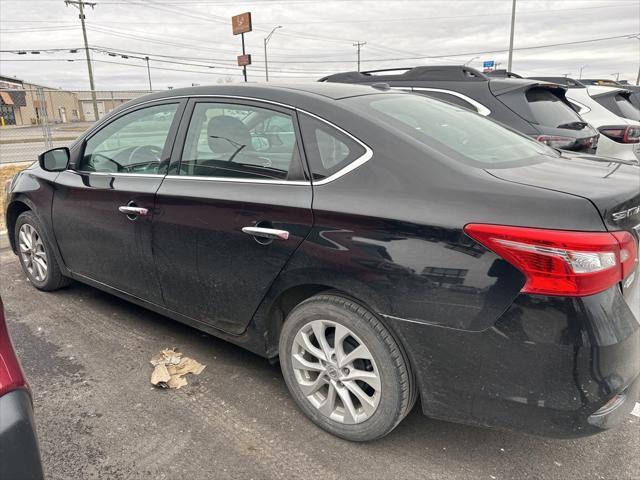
535	108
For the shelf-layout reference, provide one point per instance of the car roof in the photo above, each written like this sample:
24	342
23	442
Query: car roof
460	75
602	90
292	94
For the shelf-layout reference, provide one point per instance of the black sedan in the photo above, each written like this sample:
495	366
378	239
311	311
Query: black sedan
383	245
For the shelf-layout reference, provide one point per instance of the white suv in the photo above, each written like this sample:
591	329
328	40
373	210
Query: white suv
609	110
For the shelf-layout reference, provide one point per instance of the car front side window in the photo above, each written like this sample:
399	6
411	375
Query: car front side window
226	140
133	143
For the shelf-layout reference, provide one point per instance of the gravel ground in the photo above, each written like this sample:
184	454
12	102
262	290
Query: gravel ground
87	353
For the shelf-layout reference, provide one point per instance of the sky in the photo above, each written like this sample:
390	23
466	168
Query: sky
191	42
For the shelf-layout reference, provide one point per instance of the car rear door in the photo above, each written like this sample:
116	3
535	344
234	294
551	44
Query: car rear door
104	206
235	206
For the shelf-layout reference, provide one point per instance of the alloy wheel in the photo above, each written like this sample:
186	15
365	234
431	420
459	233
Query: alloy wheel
336	371
32	252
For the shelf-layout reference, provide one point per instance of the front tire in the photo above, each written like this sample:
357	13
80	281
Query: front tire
36	255
344	369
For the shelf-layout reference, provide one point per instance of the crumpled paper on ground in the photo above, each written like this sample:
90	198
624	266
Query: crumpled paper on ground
170	368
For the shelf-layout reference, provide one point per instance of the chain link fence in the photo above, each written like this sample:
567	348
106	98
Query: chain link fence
35	120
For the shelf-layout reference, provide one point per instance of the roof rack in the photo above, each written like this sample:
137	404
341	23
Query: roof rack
460	73
565	81
502	73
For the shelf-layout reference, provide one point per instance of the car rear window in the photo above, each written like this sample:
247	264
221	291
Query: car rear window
549	110
619	104
455	131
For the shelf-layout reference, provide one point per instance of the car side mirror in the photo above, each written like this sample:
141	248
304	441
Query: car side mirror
54	160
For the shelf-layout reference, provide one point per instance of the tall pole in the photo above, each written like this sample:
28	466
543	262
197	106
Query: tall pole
149	74
513	24
80	5
266	40
358	45
244	67
581	68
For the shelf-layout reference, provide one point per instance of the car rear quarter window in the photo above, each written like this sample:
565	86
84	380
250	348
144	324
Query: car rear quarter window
454	131
327	148
240	141
548	109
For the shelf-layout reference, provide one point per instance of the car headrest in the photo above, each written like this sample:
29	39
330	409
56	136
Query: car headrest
227	134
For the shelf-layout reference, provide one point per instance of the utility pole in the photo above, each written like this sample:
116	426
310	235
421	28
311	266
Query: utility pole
148	73
358	45
617	75
79	4
513	24
581	68
266	40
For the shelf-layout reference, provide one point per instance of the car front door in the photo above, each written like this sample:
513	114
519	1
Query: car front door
104	206
234	207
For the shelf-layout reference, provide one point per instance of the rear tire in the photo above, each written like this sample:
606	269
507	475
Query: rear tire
344	369
36	254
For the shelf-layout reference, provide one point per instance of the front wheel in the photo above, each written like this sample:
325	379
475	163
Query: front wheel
344	369
36	255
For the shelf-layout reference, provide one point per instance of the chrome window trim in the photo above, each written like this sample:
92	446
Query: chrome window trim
364	158
482	110
117	174
239	180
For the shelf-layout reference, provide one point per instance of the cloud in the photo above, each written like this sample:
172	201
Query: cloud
316	38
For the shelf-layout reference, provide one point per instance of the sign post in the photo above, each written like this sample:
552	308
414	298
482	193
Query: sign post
240	25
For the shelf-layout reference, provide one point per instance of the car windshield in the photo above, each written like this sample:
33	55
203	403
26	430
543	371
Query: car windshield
548	109
455	131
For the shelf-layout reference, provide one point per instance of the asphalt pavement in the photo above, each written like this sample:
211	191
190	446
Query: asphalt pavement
86	354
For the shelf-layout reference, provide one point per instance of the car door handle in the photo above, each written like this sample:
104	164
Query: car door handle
129	210
272	233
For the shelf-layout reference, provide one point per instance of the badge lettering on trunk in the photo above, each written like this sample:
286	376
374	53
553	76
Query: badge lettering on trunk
617	216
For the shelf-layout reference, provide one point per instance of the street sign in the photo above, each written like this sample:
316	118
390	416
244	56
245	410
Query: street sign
244	60
488	64
241	23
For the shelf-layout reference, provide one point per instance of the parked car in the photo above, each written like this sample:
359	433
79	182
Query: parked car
383	245
634	97
618	121
19	453
538	109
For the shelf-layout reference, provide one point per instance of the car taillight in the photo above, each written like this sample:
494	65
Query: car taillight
11	376
621	133
559	262
556	141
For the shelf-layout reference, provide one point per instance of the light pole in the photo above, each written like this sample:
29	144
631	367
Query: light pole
617	75
638	77
581	68
513	24
266	40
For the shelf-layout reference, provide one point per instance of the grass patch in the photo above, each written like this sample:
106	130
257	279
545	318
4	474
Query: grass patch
6	174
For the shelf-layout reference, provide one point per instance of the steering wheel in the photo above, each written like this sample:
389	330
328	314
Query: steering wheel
152	153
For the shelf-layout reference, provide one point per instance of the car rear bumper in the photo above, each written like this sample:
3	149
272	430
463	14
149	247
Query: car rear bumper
548	366
19	454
